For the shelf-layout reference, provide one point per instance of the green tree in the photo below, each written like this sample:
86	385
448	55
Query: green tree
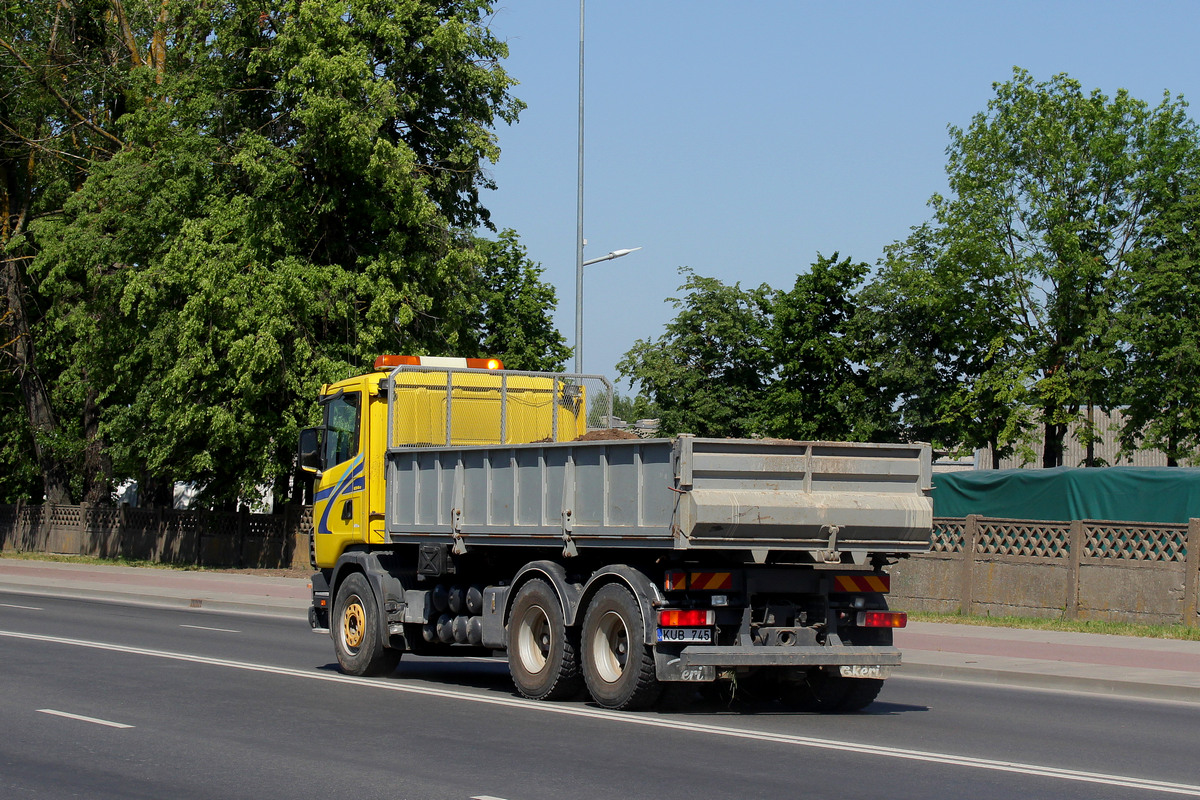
1050	191
635	407
64	71
513	319
941	336
287	192
822	388
1159	322
21	479
709	371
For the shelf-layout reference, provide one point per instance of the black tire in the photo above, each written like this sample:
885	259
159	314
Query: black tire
355	629
825	693
862	693
618	665
543	654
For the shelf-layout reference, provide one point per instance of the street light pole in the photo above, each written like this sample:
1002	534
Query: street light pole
579	242
579	217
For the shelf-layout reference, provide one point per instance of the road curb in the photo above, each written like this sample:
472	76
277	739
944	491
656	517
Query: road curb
1035	680
266	609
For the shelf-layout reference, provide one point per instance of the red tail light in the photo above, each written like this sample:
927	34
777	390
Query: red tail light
882	619
685	618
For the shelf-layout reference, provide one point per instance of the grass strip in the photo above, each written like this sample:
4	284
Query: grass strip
1068	625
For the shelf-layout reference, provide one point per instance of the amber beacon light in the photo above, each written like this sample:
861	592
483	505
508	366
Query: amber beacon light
391	361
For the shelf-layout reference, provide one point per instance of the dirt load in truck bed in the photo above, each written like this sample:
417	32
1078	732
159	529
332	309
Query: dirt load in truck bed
606	433
602	435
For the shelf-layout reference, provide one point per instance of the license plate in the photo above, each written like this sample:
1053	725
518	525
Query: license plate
685	635
865	671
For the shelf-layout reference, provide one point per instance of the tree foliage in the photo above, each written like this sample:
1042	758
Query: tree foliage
1052	190
941	351
821	388
708	372
1057	277
229	205
1159	324
512	320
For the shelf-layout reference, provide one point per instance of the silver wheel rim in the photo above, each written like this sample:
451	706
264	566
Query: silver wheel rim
610	647
533	639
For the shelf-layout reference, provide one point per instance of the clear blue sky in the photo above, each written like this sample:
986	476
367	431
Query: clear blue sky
741	139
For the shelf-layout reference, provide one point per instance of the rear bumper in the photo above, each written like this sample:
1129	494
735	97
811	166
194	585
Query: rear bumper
799	656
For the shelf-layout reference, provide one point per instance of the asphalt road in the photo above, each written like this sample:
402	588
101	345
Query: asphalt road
233	706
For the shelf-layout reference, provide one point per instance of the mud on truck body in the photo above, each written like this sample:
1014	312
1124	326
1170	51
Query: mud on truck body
463	509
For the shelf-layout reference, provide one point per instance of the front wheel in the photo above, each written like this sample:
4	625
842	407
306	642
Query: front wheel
618	665
356	639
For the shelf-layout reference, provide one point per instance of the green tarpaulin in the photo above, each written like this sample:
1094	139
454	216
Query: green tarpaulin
1129	494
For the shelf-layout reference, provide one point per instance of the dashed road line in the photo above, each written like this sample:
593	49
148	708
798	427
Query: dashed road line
206	628
109	723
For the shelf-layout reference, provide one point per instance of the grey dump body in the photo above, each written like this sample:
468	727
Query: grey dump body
779	519
838	501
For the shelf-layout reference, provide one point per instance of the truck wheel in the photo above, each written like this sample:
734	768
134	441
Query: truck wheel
618	665
356	630
829	694
543	654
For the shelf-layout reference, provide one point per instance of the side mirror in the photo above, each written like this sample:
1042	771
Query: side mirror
310	450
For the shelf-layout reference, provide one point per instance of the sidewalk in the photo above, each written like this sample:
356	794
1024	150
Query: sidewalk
218	591
1085	662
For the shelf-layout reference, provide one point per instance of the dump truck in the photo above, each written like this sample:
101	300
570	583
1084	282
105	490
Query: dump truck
463	509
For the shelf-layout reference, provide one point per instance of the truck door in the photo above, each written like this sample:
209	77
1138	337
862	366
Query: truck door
340	497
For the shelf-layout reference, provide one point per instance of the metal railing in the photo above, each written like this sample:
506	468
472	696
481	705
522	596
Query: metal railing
442	407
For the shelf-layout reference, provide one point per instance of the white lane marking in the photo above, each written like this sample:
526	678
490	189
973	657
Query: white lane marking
486	797
626	718
206	628
82	718
26	608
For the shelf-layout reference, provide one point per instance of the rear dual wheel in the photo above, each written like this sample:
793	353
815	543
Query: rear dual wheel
827	693
543	654
618	665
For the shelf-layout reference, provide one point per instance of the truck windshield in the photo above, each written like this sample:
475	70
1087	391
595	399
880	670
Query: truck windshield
341	426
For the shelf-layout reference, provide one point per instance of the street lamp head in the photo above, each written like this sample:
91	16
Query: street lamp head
611	256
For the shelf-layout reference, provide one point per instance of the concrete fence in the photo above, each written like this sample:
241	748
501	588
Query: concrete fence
202	538
1086	569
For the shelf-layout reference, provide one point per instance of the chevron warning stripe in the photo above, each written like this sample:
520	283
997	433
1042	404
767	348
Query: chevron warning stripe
862	583
711	581
679	581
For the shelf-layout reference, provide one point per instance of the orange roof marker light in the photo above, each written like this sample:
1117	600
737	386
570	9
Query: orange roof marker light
390	362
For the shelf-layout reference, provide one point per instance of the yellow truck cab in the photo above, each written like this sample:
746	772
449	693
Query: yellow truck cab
435	401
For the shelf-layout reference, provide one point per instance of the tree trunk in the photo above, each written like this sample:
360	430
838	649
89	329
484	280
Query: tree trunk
42	419
1090	458
97	468
156	491
1052	453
